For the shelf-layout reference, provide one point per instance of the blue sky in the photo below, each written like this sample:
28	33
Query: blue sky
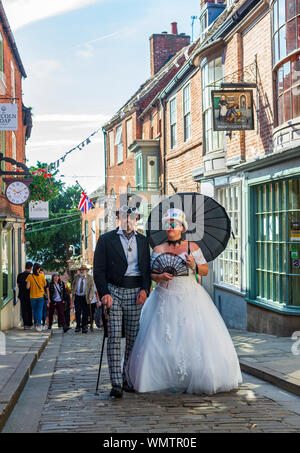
84	59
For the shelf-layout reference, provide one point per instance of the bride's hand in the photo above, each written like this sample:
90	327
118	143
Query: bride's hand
190	261
166	276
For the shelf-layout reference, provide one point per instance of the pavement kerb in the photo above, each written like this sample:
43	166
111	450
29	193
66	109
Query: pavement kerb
274	378
29	361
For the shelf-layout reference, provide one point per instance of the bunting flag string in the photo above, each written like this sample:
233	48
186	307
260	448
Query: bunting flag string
55	165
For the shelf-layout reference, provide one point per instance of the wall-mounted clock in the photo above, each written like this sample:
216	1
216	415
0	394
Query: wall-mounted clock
17	191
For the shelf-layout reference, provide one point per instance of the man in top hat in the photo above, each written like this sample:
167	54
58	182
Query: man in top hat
122	277
82	292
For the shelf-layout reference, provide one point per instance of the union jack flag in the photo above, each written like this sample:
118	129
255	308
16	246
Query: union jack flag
85	203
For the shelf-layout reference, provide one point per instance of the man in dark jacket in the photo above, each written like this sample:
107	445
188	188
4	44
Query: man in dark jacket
24	296
122	277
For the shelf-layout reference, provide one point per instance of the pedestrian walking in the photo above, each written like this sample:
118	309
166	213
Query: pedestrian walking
46	303
24	296
68	303
95	303
58	296
36	283
122	277
83	293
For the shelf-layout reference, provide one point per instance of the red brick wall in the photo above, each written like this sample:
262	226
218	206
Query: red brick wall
119	175
259	140
5	206
187	156
93	214
240	53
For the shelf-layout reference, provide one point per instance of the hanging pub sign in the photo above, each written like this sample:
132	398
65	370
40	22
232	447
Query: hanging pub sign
232	110
8	117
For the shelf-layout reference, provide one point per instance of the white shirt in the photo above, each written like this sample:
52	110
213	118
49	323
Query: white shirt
132	257
57	297
78	293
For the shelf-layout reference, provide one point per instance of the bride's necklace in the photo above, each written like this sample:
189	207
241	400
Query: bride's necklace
178	241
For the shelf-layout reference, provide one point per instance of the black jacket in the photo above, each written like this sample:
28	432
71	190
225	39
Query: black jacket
62	289
110	263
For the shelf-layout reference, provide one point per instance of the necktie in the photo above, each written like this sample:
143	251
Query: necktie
81	286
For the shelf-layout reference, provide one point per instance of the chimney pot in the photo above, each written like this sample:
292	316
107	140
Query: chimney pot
174	28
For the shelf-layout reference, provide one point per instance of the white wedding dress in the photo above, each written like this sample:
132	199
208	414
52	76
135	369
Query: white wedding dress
183	343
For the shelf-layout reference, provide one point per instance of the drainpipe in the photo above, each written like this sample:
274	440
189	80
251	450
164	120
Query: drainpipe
105	176
163	105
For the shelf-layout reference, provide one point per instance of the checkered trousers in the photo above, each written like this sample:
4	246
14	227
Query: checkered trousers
124	305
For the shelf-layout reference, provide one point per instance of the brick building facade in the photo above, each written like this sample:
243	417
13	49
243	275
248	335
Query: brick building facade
12	250
254	174
92	226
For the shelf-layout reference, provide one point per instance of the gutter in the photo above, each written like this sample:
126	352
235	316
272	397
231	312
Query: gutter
189	66
105	176
11	39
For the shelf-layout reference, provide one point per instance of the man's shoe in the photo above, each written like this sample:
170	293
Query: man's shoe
77	329
117	392
128	389
66	328
84	330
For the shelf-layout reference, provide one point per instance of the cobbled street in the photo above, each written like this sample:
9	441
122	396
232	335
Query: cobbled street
72	406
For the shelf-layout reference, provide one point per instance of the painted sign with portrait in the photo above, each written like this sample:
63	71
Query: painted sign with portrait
232	110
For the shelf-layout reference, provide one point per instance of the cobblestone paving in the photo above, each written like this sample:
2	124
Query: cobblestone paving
72	406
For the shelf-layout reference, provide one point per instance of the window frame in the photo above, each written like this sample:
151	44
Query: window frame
119	144
186	114
230	259
173	124
209	135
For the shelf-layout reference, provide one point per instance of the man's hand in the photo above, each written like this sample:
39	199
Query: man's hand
107	300
141	297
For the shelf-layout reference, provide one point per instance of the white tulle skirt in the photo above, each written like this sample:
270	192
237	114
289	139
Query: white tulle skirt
183	343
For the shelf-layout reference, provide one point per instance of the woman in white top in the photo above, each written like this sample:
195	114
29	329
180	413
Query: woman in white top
183	343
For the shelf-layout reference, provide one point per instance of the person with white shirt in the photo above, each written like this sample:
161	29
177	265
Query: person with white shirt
82	292
122	278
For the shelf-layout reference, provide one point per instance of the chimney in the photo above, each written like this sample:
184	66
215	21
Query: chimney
164	46
174	28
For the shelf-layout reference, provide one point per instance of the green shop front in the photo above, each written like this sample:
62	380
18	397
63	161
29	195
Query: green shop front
273	245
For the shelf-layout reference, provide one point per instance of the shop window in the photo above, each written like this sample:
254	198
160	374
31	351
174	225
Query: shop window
278	242
228	264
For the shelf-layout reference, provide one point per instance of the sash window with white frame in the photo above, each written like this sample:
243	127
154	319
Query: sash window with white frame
173	123
186	112
212	73
228	263
13	82
119	144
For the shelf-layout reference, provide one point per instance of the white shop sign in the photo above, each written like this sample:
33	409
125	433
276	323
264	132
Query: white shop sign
39	210
8	117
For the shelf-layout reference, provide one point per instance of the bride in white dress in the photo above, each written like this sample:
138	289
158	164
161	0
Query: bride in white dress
183	343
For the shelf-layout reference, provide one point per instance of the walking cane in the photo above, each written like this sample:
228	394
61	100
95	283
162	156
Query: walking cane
105	319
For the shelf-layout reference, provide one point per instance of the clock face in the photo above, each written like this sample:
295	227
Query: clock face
17	192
